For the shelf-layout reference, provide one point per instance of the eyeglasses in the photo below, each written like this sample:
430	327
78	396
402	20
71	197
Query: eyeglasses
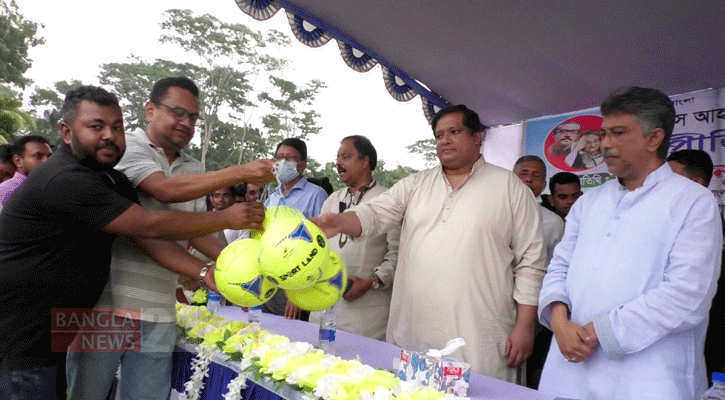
288	158
179	113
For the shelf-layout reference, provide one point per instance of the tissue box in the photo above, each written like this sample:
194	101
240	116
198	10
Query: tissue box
444	374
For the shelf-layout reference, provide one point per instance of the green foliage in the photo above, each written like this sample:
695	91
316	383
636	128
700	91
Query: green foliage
132	82
426	148
292	113
387	177
17	35
231	145
228	60
13	120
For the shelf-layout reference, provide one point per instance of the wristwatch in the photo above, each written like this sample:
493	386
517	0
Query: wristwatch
202	274
376	281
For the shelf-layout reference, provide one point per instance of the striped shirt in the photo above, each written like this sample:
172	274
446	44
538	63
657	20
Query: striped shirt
136	280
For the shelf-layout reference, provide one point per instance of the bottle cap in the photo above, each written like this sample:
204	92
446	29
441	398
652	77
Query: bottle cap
718	377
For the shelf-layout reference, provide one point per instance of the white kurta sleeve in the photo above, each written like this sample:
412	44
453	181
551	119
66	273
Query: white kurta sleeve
386	211
527	243
386	269
682	300
554	286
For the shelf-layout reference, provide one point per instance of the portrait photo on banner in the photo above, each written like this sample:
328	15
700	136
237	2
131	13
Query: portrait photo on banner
569	143
572	142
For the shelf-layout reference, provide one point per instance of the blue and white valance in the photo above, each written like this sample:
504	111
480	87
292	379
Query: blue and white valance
258	9
315	32
397	87
307	33
355	58
429	108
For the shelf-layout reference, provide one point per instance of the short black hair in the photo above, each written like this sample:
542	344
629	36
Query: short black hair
365	148
19	145
563	178
6	154
530	158
652	108
240	189
295	143
73	99
161	87
323	182
470	118
696	163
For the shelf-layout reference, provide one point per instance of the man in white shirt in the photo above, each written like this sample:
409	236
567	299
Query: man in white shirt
532	172
628	291
370	261
471	256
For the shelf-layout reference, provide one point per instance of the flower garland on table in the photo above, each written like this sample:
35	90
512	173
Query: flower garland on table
298	364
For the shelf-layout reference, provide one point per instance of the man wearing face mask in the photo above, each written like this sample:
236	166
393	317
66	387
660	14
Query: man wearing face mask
294	191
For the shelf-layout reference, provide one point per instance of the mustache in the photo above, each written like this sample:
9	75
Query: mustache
609	153
108	145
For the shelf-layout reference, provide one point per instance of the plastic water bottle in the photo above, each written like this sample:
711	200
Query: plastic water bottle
213	301
328	329
717	391
255	314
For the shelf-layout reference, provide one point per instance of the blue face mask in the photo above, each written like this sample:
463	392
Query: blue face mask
286	171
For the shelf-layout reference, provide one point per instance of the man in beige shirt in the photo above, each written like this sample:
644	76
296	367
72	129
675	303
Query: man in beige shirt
471	257
370	261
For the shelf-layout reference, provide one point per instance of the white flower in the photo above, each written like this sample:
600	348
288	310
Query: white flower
235	387
200	370
299	374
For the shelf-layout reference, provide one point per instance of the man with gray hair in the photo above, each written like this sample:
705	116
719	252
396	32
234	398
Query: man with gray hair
628	291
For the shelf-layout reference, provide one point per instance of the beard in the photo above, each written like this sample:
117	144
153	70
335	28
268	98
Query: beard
87	154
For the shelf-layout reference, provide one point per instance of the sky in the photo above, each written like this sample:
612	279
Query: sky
80	35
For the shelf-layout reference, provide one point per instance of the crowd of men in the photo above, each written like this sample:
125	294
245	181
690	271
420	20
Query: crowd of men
607	293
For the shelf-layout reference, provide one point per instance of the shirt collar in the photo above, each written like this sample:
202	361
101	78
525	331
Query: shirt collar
663	172
144	137
300	185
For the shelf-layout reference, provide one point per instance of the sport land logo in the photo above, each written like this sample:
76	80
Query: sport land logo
95	329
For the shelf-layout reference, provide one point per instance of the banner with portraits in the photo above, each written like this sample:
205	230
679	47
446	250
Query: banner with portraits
569	143
572	142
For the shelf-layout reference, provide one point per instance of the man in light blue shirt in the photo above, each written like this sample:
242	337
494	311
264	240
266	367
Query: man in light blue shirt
293	191
628	291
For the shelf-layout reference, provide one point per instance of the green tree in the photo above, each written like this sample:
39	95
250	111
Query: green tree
292	112
132	81
13	120
225	148
229	61
426	148
387	177
17	35
225	61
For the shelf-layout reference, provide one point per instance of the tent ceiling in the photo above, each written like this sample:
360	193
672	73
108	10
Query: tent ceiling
516	60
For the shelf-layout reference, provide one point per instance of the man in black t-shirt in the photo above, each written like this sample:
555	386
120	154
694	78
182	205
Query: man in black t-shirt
56	233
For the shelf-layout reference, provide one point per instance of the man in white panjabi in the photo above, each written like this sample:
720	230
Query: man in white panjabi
629	288
471	256
370	261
